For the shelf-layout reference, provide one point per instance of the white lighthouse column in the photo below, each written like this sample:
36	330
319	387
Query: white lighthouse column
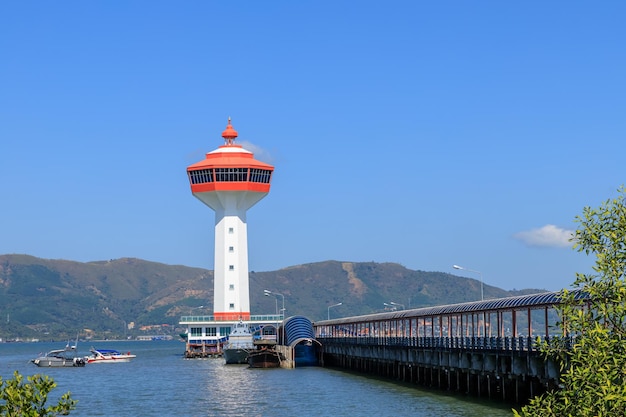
231	280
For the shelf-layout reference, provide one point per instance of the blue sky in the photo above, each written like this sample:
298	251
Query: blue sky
423	133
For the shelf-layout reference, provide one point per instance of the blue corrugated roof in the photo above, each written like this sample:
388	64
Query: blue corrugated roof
298	328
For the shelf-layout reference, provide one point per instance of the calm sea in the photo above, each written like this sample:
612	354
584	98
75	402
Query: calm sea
160	382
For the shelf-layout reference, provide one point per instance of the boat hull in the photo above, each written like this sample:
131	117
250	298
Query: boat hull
110	360
59	363
235	356
266	358
108	356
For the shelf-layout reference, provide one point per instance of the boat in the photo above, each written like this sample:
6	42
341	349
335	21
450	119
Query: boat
161	337
108	356
60	358
240	343
265	355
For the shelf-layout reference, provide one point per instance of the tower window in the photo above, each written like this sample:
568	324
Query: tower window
231	287
260	175
201	176
231	174
231	267
231	306
231	230
231	249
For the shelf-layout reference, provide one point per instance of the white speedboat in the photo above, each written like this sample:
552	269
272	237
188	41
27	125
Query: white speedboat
108	356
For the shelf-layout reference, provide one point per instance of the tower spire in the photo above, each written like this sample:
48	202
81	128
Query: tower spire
229	134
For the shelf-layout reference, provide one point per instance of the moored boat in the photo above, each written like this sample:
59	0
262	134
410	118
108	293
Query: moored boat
108	356
60	358
240	343
265	355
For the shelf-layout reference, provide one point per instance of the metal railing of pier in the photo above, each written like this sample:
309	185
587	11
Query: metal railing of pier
509	344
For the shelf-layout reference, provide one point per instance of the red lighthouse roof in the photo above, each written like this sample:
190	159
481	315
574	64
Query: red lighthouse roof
230	168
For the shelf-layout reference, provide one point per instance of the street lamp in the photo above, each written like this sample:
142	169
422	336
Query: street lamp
329	307
482	293
268	293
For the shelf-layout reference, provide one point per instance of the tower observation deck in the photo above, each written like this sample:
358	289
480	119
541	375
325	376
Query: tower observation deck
230	181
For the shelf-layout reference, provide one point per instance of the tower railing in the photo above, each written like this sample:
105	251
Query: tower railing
203	319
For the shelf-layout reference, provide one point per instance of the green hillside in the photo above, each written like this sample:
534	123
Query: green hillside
58	299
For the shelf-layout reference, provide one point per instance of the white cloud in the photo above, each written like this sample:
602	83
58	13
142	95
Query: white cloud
548	235
260	154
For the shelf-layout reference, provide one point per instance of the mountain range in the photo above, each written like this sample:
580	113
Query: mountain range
52	299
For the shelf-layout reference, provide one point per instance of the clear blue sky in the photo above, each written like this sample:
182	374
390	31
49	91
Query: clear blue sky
423	133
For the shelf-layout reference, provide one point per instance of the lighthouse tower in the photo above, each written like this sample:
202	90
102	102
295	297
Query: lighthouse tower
230	181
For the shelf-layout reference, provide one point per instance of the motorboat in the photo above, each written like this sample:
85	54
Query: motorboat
265	355
239	344
108	356
60	358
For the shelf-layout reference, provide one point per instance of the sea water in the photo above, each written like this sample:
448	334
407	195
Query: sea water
160	382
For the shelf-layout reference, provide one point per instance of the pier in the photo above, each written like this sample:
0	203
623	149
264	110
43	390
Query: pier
485	348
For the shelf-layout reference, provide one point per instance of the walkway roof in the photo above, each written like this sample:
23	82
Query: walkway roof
532	301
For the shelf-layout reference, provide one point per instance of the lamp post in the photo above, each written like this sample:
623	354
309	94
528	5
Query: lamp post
329	307
480	275
268	293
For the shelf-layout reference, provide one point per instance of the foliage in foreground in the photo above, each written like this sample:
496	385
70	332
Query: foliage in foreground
28	399
593	372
